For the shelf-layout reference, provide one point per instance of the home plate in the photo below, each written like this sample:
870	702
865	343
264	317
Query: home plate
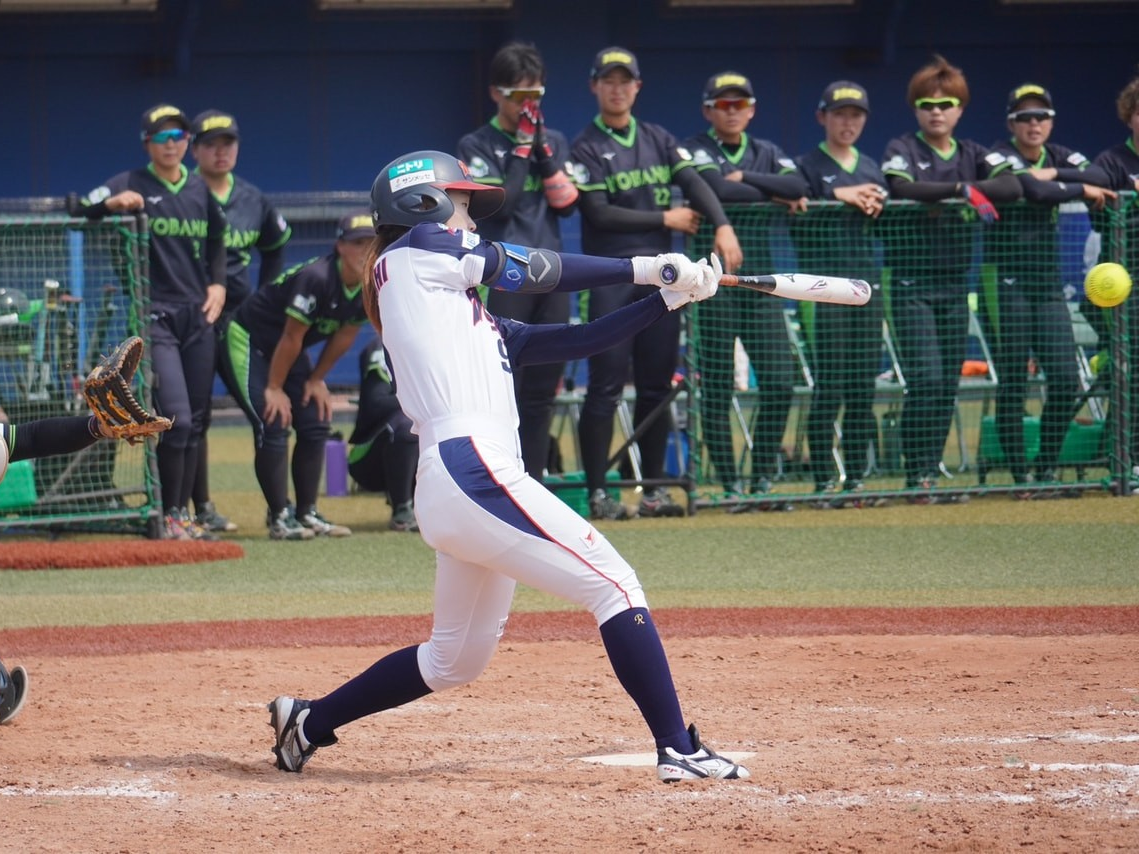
639	760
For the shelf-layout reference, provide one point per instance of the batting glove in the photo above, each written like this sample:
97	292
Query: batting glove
529	121
671	271
980	203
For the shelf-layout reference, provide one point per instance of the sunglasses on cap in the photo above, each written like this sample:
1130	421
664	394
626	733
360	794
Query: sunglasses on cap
929	104
520	96
726	104
1039	115
168	135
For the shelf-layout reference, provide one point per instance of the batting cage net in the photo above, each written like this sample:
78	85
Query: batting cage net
71	290
977	366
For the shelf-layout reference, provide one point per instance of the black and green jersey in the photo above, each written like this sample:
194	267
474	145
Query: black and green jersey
1026	238
1121	163
753	157
487	152
186	226
253	224
311	293
633	170
933	237
836	238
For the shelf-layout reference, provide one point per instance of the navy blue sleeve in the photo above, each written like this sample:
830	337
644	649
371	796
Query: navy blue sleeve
578	273
535	344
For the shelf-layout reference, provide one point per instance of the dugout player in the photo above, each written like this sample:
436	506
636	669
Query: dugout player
742	169
187	295
252	223
490	523
1121	162
516	151
929	253
383	449
846	341
266	357
625	170
1025	307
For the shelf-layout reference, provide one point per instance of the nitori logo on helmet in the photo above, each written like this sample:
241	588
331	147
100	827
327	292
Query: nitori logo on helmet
413	189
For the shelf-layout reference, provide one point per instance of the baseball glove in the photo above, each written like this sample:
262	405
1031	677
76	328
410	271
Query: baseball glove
108	393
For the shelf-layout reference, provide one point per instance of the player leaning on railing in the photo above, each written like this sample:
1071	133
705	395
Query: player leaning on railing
1024	305
1121	162
929	287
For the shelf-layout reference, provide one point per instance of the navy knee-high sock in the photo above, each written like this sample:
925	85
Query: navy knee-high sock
390	682
638	659
59	435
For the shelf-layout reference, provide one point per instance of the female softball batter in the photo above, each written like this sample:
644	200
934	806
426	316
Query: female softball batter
491	524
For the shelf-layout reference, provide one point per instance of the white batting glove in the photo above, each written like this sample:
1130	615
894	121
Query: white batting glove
665	271
710	269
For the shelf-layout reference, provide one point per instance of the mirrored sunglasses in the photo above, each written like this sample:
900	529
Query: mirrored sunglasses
169	135
929	104
726	104
520	96
1026	116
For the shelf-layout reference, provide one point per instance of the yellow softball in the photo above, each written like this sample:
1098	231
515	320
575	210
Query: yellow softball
1107	285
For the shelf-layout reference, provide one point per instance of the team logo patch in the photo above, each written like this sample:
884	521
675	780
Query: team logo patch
787	163
98	194
470	240
479	168
304	304
580	173
411	172
994	158
684	153
897	163
1077	159
702	157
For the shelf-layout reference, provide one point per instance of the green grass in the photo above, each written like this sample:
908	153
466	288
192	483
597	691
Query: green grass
992	551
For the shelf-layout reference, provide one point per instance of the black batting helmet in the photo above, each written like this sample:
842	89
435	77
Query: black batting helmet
13	691
412	189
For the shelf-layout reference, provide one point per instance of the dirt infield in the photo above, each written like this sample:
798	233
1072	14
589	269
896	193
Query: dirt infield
870	729
100	554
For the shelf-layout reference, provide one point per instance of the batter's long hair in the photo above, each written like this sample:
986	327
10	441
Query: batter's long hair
386	235
938	76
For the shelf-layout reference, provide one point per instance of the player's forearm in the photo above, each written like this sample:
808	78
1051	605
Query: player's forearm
1049	192
272	262
1003	187
731	191
336	347
609	217
284	357
790	186
701	197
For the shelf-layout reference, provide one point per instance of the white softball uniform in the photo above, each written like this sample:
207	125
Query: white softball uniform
489	522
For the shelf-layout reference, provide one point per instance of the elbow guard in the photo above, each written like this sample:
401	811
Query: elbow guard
524	269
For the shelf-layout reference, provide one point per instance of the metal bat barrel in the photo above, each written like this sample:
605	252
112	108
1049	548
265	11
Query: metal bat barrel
805	287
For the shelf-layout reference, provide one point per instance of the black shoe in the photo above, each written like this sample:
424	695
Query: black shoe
659	503
601	506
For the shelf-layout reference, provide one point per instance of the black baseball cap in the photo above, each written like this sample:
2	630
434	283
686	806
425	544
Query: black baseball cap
156	116
214	123
727	81
356	226
1029	90
843	93
615	57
